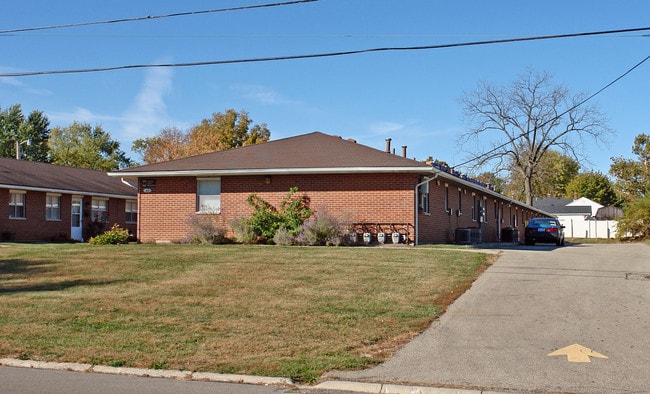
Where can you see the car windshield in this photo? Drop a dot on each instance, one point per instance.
(543, 223)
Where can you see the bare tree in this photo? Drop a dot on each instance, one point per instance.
(513, 127)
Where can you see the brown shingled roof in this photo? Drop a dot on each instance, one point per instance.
(42, 176)
(314, 151)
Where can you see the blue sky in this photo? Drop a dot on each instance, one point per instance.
(409, 96)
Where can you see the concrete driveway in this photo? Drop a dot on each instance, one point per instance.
(501, 335)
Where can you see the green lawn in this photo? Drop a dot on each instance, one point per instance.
(294, 312)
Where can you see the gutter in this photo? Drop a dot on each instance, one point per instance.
(64, 191)
(271, 171)
(490, 192)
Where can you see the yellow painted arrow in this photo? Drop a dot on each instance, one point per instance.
(577, 353)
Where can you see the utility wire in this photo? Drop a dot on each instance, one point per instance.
(321, 55)
(151, 17)
(556, 117)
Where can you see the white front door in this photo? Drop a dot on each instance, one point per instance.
(77, 230)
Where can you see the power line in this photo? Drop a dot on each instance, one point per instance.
(556, 117)
(152, 17)
(321, 55)
(282, 36)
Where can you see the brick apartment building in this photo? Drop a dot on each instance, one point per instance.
(45, 202)
(377, 192)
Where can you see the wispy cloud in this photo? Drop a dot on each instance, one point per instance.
(82, 115)
(18, 83)
(148, 112)
(262, 94)
(410, 128)
(385, 127)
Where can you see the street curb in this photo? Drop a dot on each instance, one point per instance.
(155, 373)
(383, 388)
(359, 387)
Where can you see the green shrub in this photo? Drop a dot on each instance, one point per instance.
(116, 235)
(266, 220)
(635, 223)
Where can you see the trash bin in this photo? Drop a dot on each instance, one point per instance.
(509, 234)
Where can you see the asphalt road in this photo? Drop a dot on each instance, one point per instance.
(15, 380)
(530, 303)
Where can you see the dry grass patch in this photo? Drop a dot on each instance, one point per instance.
(293, 312)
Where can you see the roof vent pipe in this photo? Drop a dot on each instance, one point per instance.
(388, 145)
(403, 150)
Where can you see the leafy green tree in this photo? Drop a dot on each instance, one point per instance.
(633, 176)
(491, 178)
(554, 172)
(514, 127)
(595, 186)
(633, 183)
(30, 135)
(82, 146)
(636, 219)
(224, 131)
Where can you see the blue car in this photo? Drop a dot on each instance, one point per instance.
(544, 230)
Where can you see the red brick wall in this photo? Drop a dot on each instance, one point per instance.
(439, 226)
(116, 215)
(367, 198)
(35, 227)
(166, 209)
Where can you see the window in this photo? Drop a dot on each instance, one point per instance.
(209, 195)
(447, 209)
(474, 208)
(99, 210)
(484, 213)
(460, 204)
(53, 207)
(17, 204)
(424, 197)
(131, 211)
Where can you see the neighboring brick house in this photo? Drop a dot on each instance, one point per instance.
(46, 202)
(375, 191)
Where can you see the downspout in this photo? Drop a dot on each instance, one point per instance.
(417, 208)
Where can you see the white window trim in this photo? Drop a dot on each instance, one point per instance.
(424, 198)
(474, 208)
(58, 195)
(198, 197)
(24, 204)
(105, 218)
(126, 211)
